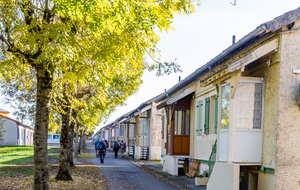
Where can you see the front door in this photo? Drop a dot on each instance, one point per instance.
(178, 127)
(181, 142)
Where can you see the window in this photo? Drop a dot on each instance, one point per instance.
(169, 122)
(249, 96)
(122, 129)
(181, 125)
(207, 115)
(225, 106)
(56, 136)
(143, 126)
(132, 130)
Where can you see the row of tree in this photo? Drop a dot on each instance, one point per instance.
(75, 61)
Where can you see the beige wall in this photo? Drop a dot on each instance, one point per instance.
(265, 181)
(287, 171)
(202, 145)
(156, 125)
(270, 115)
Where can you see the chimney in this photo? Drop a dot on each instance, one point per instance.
(179, 78)
(233, 39)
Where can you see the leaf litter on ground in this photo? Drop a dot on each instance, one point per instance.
(85, 176)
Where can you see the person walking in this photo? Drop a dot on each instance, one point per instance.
(122, 149)
(96, 147)
(102, 150)
(106, 143)
(116, 149)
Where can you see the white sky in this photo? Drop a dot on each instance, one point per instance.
(200, 37)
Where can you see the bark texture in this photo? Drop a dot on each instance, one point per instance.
(64, 164)
(70, 147)
(76, 141)
(44, 87)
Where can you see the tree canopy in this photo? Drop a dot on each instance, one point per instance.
(71, 43)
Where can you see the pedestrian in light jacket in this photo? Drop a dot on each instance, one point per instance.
(122, 149)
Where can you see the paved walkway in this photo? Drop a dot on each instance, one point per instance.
(125, 174)
(129, 173)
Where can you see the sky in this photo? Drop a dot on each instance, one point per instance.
(198, 38)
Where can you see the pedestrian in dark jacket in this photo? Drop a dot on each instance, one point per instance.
(116, 149)
(101, 147)
(96, 147)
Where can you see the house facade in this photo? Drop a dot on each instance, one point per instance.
(238, 115)
(140, 129)
(15, 133)
(238, 109)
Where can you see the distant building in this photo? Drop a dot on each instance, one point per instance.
(15, 132)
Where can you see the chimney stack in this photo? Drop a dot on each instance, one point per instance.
(233, 39)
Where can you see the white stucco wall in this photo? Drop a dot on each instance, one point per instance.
(225, 176)
(170, 165)
(10, 136)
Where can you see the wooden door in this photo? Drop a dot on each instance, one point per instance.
(181, 145)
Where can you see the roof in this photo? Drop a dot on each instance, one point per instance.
(2, 110)
(272, 26)
(19, 123)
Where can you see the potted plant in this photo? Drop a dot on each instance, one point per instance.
(202, 179)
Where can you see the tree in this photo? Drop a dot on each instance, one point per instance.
(48, 37)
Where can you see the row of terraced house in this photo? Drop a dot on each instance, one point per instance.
(238, 115)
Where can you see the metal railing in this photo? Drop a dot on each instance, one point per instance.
(212, 158)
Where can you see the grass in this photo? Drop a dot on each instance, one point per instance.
(21, 155)
(157, 161)
(16, 170)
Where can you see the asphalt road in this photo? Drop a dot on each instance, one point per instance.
(125, 174)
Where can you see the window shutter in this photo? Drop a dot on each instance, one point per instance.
(216, 113)
(199, 117)
(206, 125)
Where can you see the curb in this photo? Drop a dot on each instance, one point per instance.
(161, 177)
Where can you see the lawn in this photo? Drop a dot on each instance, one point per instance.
(21, 155)
(16, 170)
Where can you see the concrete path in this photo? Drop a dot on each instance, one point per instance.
(125, 174)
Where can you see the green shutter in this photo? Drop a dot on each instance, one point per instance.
(216, 113)
(199, 117)
(206, 125)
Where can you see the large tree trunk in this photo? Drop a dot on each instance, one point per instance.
(44, 87)
(76, 142)
(64, 164)
(70, 148)
(81, 142)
